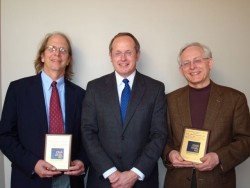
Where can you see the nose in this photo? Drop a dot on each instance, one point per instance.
(57, 52)
(192, 65)
(123, 56)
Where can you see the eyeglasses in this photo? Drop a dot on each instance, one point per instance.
(125, 54)
(196, 61)
(53, 49)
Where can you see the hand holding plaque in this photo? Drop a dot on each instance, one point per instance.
(57, 150)
(194, 144)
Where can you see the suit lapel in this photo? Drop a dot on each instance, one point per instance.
(183, 107)
(37, 96)
(214, 105)
(70, 100)
(110, 90)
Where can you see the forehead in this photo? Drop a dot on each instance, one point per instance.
(57, 40)
(123, 42)
(192, 52)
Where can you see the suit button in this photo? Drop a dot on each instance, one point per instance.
(123, 137)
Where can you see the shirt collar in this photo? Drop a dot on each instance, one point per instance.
(119, 79)
(47, 81)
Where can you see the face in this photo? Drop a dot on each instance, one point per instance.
(124, 56)
(54, 57)
(197, 72)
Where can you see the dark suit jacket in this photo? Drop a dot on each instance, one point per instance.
(24, 125)
(227, 119)
(138, 143)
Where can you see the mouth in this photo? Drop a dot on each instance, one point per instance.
(123, 64)
(56, 60)
(194, 73)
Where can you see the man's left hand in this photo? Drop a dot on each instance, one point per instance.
(76, 168)
(209, 161)
(126, 180)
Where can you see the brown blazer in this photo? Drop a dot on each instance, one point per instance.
(228, 121)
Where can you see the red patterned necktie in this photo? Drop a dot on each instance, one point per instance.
(55, 112)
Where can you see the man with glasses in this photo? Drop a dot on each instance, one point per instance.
(205, 105)
(27, 118)
(124, 145)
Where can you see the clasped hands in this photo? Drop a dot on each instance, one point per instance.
(124, 179)
(46, 170)
(209, 161)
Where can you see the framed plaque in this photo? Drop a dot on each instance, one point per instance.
(58, 150)
(194, 144)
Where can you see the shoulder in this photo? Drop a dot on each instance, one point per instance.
(25, 81)
(76, 89)
(226, 91)
(177, 92)
(148, 80)
(74, 86)
(101, 81)
(232, 98)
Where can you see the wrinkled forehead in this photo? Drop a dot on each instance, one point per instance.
(122, 42)
(57, 40)
(192, 52)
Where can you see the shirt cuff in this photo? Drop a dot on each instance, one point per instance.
(139, 173)
(109, 172)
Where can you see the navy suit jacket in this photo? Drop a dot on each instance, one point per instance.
(138, 143)
(24, 124)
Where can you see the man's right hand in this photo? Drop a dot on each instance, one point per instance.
(45, 170)
(177, 161)
(114, 177)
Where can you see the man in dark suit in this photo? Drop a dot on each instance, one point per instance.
(124, 153)
(205, 105)
(25, 117)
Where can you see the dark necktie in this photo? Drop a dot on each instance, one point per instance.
(125, 98)
(55, 112)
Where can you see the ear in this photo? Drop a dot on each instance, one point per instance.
(210, 63)
(138, 54)
(181, 70)
(42, 57)
(69, 61)
(110, 56)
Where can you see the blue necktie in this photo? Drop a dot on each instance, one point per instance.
(125, 98)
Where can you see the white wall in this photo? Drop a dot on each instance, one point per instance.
(1, 155)
(2, 177)
(161, 26)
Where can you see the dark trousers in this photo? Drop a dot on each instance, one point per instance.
(194, 181)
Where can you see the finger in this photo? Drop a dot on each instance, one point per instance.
(72, 168)
(48, 166)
